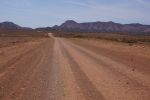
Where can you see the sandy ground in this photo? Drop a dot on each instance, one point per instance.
(74, 69)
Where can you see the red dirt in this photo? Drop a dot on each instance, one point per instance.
(74, 69)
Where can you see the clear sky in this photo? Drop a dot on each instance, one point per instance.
(36, 13)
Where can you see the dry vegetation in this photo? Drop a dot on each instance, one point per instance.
(13, 37)
(120, 37)
(22, 33)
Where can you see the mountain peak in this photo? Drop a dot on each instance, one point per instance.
(7, 22)
(110, 22)
(70, 22)
(9, 25)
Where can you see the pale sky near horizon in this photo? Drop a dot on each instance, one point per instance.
(40, 13)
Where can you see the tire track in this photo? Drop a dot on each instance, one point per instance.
(138, 78)
(89, 90)
(18, 77)
(20, 80)
(107, 80)
(70, 87)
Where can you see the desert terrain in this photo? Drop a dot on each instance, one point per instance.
(54, 68)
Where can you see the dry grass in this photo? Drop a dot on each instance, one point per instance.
(22, 33)
(119, 37)
(12, 37)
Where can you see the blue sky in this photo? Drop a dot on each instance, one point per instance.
(37, 13)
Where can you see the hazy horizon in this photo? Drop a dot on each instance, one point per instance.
(37, 13)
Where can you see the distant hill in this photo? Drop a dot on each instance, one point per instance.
(72, 26)
(45, 29)
(11, 26)
(12, 29)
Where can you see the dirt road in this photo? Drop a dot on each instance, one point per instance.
(66, 69)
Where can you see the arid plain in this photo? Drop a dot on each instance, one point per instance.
(53, 68)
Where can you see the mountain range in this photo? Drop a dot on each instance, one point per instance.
(11, 29)
(72, 26)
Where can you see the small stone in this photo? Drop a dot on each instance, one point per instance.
(22, 88)
(127, 82)
(133, 69)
